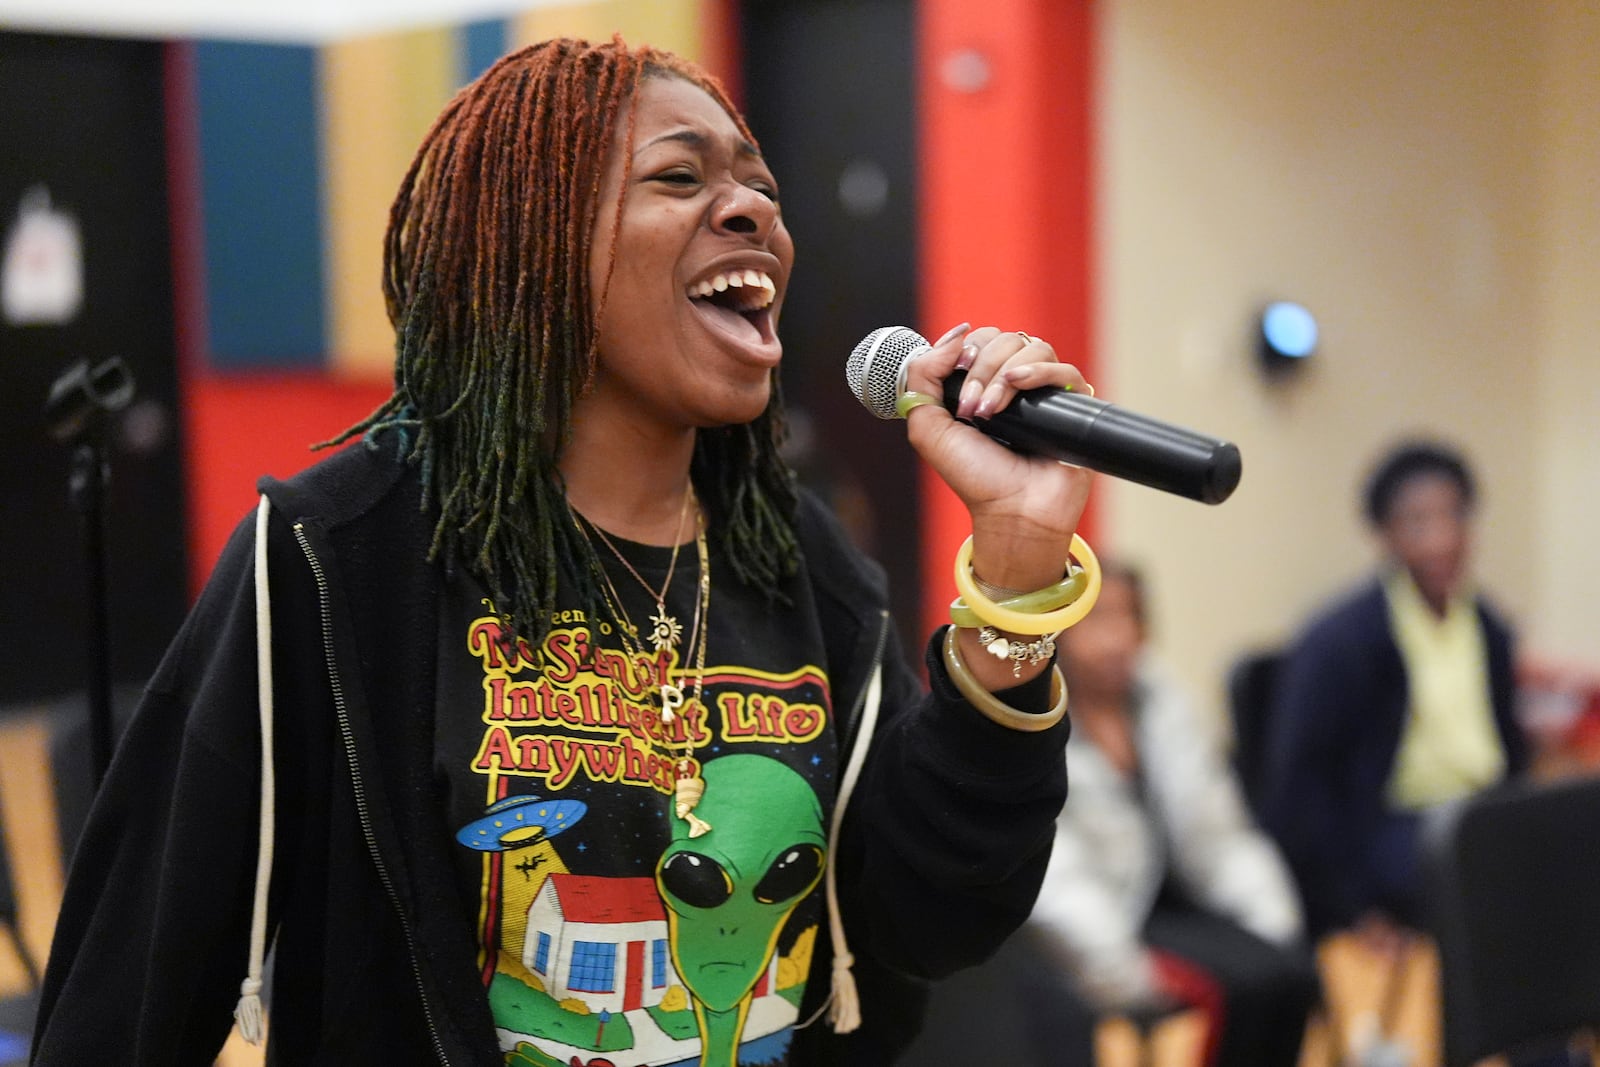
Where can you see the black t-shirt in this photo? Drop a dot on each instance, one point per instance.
(607, 934)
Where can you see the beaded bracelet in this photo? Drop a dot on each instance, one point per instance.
(991, 706)
(1032, 623)
(1064, 592)
(1016, 650)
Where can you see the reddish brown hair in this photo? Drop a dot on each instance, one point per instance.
(486, 281)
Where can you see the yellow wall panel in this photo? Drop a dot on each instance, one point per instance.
(379, 96)
(674, 25)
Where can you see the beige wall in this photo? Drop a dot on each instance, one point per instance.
(1423, 176)
(1566, 579)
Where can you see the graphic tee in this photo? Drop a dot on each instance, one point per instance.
(608, 936)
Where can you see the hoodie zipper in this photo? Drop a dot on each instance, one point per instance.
(348, 737)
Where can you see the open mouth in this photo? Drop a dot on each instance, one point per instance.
(739, 302)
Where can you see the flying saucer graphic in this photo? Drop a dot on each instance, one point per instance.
(517, 822)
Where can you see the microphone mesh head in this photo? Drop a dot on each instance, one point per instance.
(875, 371)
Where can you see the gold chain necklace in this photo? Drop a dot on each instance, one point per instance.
(688, 786)
(665, 630)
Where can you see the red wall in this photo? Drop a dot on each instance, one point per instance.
(1005, 221)
(241, 427)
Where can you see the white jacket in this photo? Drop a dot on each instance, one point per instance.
(1113, 850)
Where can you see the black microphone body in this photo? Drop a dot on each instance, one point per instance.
(1058, 424)
(1092, 433)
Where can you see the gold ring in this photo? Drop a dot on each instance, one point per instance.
(1026, 340)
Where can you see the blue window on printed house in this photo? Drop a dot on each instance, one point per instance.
(658, 961)
(594, 967)
(541, 957)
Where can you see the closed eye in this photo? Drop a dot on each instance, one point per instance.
(677, 177)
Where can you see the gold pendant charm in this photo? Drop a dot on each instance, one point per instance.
(671, 701)
(688, 792)
(665, 630)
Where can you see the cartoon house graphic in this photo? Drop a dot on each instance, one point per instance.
(603, 941)
(600, 940)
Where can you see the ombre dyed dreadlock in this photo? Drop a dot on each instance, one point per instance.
(487, 285)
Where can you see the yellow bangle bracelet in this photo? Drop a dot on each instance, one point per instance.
(991, 706)
(1030, 623)
(1051, 597)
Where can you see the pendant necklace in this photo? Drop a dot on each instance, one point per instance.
(665, 629)
(688, 786)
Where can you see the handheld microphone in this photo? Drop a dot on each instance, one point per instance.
(1058, 424)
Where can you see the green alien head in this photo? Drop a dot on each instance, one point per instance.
(729, 892)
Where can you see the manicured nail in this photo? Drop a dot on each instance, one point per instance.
(951, 332)
(969, 353)
(990, 401)
(970, 392)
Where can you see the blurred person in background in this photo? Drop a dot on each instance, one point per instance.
(1396, 698)
(1161, 892)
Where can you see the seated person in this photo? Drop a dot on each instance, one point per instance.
(1396, 698)
(1160, 890)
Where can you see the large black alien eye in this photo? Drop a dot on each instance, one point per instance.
(791, 874)
(699, 881)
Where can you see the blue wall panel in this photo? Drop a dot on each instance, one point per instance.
(482, 43)
(260, 172)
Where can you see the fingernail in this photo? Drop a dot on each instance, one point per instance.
(951, 332)
(969, 353)
(990, 401)
(1089, 388)
(970, 392)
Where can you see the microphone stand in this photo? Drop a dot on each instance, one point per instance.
(79, 402)
(86, 485)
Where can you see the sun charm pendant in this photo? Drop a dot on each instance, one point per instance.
(665, 630)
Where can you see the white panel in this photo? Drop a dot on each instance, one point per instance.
(277, 20)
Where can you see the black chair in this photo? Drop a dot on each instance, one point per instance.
(1514, 878)
(1250, 686)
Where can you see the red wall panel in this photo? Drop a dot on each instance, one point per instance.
(243, 426)
(1005, 102)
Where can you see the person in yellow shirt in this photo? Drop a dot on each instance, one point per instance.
(1396, 698)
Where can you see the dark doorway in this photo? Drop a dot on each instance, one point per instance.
(829, 92)
(84, 124)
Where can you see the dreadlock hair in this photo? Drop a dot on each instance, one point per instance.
(486, 280)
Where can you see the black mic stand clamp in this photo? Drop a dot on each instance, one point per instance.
(80, 402)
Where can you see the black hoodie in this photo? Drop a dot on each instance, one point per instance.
(941, 856)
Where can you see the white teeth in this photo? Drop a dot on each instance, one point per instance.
(762, 290)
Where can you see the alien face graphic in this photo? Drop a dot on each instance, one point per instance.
(729, 892)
